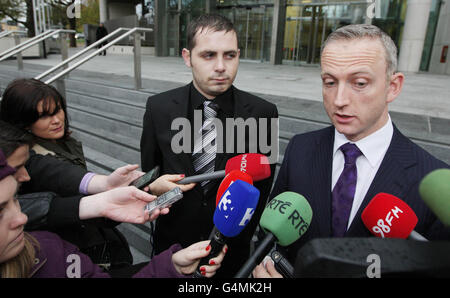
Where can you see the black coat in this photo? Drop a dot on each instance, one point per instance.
(100, 33)
(48, 173)
(191, 219)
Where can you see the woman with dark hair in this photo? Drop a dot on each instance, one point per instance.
(40, 109)
(63, 214)
(44, 254)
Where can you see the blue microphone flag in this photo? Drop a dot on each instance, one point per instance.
(236, 208)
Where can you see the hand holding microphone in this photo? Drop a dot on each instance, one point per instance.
(266, 270)
(233, 212)
(285, 219)
(186, 260)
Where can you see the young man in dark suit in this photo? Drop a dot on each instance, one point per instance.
(213, 56)
(339, 169)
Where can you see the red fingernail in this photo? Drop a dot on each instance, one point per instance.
(182, 175)
(226, 249)
(202, 269)
(211, 262)
(208, 247)
(203, 273)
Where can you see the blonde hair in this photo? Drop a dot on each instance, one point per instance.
(21, 265)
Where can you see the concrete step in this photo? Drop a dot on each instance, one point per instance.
(102, 160)
(96, 169)
(139, 241)
(125, 126)
(128, 95)
(107, 104)
(115, 145)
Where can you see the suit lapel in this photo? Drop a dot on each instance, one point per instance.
(321, 169)
(390, 178)
(181, 161)
(240, 111)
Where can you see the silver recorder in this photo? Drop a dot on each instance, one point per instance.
(165, 200)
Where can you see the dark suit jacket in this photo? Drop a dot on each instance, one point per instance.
(191, 219)
(48, 173)
(307, 168)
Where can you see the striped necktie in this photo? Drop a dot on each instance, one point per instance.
(204, 155)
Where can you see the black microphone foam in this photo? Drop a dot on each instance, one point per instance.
(348, 257)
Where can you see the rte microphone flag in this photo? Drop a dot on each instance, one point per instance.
(285, 219)
(255, 164)
(387, 216)
(233, 212)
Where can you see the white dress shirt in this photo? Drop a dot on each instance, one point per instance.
(373, 148)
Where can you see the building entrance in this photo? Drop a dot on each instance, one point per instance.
(308, 24)
(253, 23)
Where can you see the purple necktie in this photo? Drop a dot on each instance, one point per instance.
(344, 191)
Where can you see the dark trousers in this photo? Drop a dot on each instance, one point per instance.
(101, 45)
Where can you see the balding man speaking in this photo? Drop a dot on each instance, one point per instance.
(339, 169)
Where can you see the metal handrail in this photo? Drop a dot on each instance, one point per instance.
(95, 44)
(26, 45)
(95, 53)
(6, 33)
(26, 42)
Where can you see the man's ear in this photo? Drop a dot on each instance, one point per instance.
(395, 86)
(186, 57)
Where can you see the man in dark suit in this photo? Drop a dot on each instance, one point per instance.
(99, 34)
(339, 169)
(213, 56)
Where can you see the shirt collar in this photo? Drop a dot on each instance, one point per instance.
(224, 100)
(373, 147)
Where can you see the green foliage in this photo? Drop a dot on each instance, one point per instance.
(90, 14)
(13, 9)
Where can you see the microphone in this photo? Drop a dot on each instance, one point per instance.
(229, 179)
(255, 164)
(285, 219)
(386, 216)
(233, 212)
(372, 257)
(435, 192)
(282, 265)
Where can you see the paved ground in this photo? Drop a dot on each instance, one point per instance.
(423, 93)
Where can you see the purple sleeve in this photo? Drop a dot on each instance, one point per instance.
(85, 183)
(88, 268)
(59, 258)
(161, 266)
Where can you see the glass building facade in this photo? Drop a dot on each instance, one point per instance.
(306, 24)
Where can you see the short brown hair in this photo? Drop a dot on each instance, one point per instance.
(214, 22)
